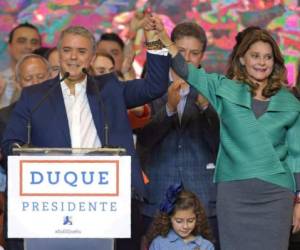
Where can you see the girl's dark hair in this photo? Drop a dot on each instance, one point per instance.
(161, 224)
(238, 72)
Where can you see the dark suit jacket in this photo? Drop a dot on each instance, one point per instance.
(174, 152)
(50, 124)
(4, 117)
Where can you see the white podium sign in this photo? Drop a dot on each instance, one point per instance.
(69, 196)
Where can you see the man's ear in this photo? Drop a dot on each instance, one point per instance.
(242, 61)
(92, 60)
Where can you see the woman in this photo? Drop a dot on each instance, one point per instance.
(103, 63)
(259, 151)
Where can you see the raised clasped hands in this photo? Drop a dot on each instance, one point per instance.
(153, 23)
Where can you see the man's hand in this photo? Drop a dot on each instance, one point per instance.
(162, 35)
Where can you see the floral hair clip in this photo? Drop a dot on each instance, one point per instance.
(168, 203)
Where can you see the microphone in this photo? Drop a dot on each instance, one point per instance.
(105, 144)
(65, 76)
(85, 71)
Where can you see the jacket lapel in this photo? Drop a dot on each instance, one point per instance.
(284, 100)
(97, 112)
(57, 102)
(189, 106)
(238, 93)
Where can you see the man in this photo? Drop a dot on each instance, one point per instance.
(53, 59)
(112, 44)
(72, 116)
(123, 54)
(181, 141)
(23, 39)
(30, 69)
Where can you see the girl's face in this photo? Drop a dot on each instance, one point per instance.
(259, 62)
(183, 223)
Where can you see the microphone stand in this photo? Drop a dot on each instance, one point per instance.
(28, 144)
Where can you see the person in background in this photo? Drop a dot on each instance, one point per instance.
(123, 54)
(53, 58)
(30, 69)
(41, 51)
(258, 166)
(23, 39)
(180, 224)
(112, 44)
(180, 142)
(104, 63)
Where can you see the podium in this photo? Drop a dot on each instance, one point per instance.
(69, 198)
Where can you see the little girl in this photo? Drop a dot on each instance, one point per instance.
(180, 223)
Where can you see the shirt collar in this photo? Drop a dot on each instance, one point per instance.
(172, 237)
(198, 240)
(79, 87)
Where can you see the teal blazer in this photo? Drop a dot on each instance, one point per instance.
(267, 147)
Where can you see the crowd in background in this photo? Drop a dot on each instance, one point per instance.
(177, 135)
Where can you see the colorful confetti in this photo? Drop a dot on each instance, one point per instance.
(221, 20)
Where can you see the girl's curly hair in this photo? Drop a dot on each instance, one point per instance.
(161, 224)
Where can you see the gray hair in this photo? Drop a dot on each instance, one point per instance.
(78, 30)
(26, 57)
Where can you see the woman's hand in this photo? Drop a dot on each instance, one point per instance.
(296, 218)
(149, 26)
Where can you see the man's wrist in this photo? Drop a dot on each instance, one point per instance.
(154, 45)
